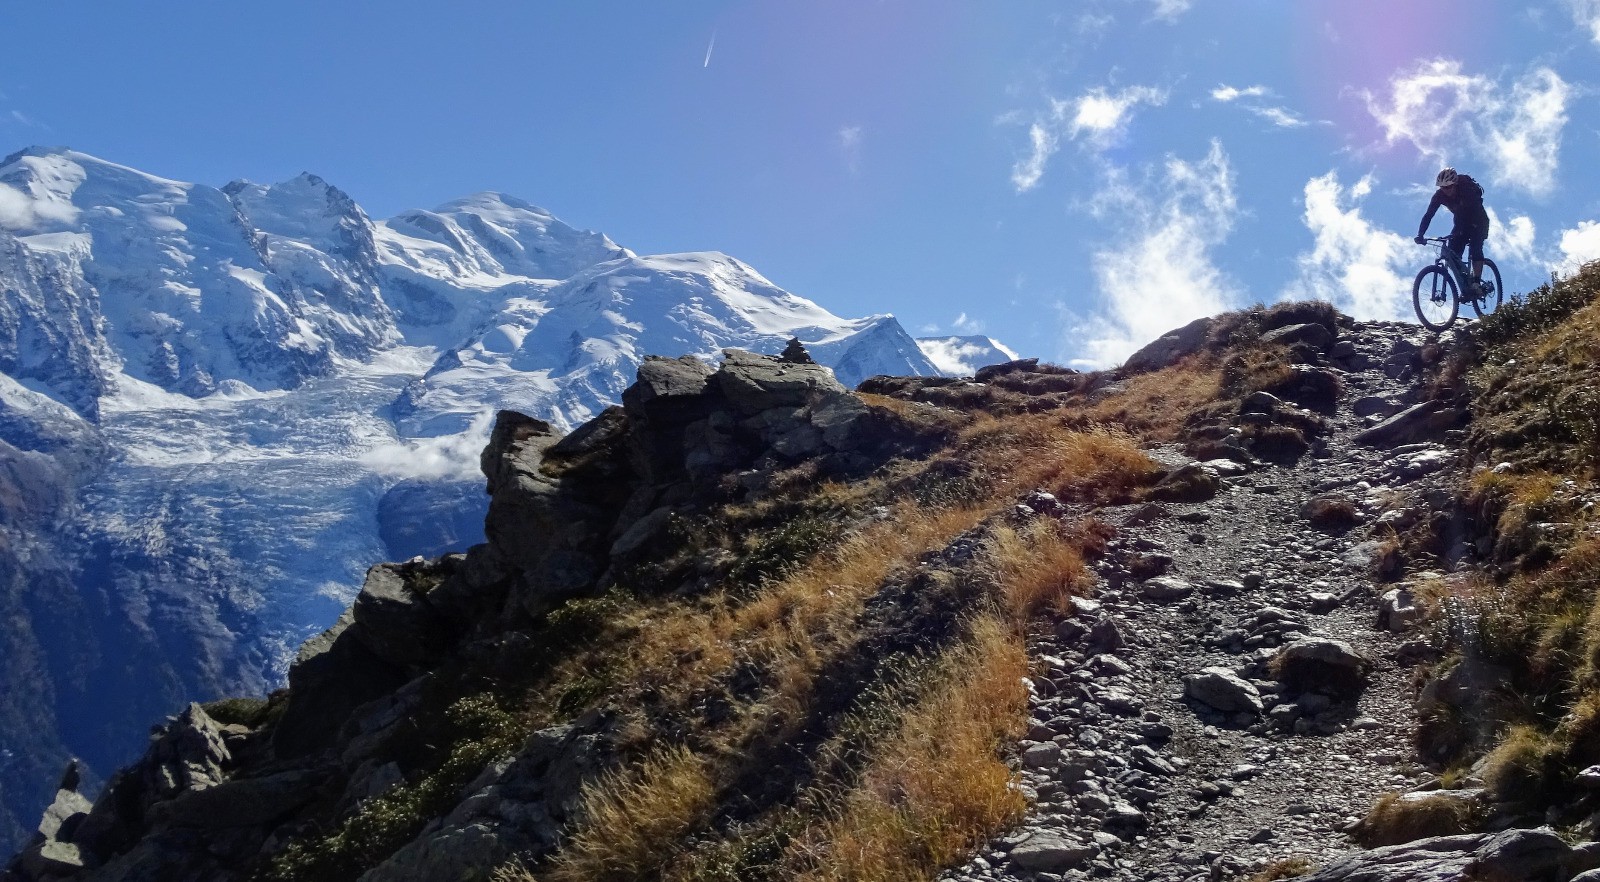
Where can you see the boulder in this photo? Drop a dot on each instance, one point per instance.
(1317, 336)
(1041, 756)
(991, 371)
(1169, 347)
(188, 753)
(1328, 666)
(664, 379)
(517, 807)
(1165, 588)
(1047, 852)
(394, 619)
(550, 524)
(52, 859)
(64, 814)
(248, 802)
(754, 383)
(1315, 388)
(1220, 689)
(1515, 855)
(1260, 402)
(1398, 610)
(1420, 422)
(1192, 482)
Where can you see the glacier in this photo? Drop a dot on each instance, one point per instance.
(219, 406)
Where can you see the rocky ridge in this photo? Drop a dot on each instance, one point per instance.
(1236, 692)
(210, 798)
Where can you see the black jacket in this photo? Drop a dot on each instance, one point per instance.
(1465, 201)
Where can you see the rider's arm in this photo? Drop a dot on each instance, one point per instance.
(1428, 218)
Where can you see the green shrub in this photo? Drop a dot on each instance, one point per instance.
(777, 552)
(484, 731)
(1540, 310)
(248, 712)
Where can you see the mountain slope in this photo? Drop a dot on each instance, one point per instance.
(1160, 623)
(264, 390)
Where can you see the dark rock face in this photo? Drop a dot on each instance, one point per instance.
(1170, 347)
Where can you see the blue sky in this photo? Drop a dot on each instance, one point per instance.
(1070, 178)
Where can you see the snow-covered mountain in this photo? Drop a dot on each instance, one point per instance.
(218, 406)
(962, 356)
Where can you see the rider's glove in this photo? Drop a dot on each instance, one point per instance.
(1420, 240)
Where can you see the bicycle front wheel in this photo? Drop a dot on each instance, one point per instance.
(1494, 295)
(1434, 294)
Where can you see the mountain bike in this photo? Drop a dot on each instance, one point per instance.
(1435, 290)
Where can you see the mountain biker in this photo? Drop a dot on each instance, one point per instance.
(1464, 197)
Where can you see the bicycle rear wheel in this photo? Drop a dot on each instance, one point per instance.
(1434, 294)
(1493, 297)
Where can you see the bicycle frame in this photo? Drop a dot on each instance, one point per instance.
(1455, 266)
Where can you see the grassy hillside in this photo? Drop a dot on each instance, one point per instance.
(823, 684)
(1526, 626)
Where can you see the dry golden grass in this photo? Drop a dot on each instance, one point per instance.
(938, 787)
(1575, 343)
(1288, 868)
(1098, 464)
(1518, 768)
(1156, 405)
(633, 822)
(1395, 819)
(820, 595)
(934, 787)
(1519, 497)
(1037, 569)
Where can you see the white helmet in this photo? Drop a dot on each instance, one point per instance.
(1445, 178)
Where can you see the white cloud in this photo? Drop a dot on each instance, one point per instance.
(1103, 116)
(1170, 10)
(967, 325)
(1449, 116)
(1093, 25)
(1579, 246)
(1527, 147)
(957, 358)
(1362, 269)
(1026, 173)
(1511, 241)
(1099, 117)
(849, 141)
(18, 211)
(1229, 93)
(1247, 97)
(1587, 15)
(1161, 276)
(448, 456)
(1278, 116)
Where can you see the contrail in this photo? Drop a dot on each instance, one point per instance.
(710, 47)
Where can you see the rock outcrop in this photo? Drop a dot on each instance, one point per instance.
(569, 515)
